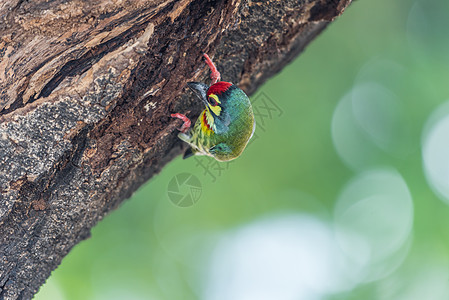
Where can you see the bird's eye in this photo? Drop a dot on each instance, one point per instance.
(212, 101)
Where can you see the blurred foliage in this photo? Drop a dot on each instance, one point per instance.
(335, 174)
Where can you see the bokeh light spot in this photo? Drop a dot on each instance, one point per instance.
(373, 218)
(286, 257)
(427, 29)
(435, 151)
(365, 125)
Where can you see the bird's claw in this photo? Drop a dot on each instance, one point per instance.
(187, 123)
(214, 74)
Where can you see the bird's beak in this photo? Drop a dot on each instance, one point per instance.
(200, 90)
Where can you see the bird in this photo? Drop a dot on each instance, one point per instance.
(225, 126)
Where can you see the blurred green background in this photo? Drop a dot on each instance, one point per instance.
(342, 194)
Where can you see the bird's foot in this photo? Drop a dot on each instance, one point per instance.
(186, 125)
(214, 75)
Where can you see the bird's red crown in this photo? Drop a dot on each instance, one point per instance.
(218, 88)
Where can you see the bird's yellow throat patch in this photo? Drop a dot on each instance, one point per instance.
(215, 109)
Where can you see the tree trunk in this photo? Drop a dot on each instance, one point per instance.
(86, 91)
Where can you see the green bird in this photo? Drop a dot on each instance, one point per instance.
(225, 126)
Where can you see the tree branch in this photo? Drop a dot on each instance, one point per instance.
(86, 92)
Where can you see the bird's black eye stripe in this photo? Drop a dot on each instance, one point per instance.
(212, 101)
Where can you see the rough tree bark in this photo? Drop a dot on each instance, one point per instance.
(86, 90)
